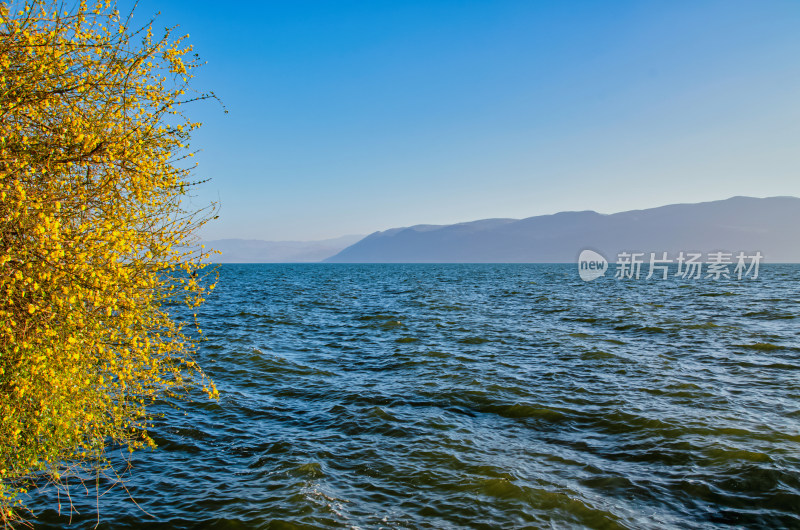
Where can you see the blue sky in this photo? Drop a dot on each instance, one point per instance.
(347, 117)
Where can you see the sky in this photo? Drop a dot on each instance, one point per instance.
(347, 117)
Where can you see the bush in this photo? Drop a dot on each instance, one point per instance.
(95, 240)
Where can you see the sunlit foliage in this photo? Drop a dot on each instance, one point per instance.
(95, 237)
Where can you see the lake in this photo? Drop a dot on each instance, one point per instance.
(478, 396)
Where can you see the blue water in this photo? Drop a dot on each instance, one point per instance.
(477, 396)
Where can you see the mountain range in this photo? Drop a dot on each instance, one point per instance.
(259, 251)
(768, 225)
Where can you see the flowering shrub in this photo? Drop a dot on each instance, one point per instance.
(95, 241)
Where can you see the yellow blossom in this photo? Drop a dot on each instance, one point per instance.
(93, 238)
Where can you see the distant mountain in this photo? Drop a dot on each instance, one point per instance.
(258, 251)
(767, 225)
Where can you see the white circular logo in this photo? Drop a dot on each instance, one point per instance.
(591, 265)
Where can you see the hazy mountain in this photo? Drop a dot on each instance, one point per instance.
(258, 251)
(741, 223)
